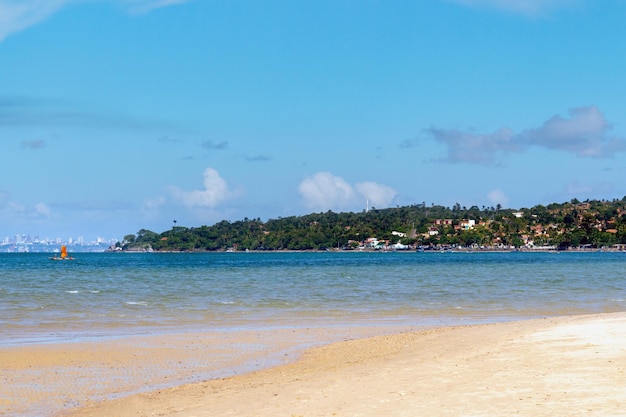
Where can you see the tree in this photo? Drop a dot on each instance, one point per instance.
(565, 224)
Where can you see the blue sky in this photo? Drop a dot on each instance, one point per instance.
(118, 115)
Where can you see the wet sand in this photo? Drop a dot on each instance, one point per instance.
(558, 366)
(40, 380)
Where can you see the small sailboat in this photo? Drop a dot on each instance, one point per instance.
(64, 256)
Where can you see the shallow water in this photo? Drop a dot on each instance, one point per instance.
(122, 293)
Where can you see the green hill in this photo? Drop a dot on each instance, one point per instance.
(591, 223)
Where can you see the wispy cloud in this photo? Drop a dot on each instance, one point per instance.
(15, 110)
(43, 210)
(153, 204)
(577, 188)
(497, 196)
(477, 148)
(524, 7)
(215, 191)
(28, 111)
(209, 144)
(17, 15)
(258, 158)
(145, 6)
(325, 191)
(4, 197)
(8, 102)
(93, 206)
(18, 211)
(34, 144)
(168, 139)
(585, 133)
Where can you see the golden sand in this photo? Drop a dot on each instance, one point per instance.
(571, 366)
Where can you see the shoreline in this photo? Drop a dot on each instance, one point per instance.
(569, 365)
(459, 249)
(45, 379)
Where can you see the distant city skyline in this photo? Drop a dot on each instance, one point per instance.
(26, 243)
(201, 111)
(26, 238)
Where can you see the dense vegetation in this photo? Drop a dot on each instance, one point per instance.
(591, 223)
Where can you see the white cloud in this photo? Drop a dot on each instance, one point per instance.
(324, 191)
(525, 7)
(215, 192)
(496, 197)
(17, 15)
(378, 195)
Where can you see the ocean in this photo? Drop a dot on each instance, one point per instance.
(116, 294)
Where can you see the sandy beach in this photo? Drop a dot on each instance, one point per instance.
(556, 366)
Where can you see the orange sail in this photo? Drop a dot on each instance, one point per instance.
(63, 252)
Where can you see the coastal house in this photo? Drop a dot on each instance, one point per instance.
(370, 242)
(467, 224)
(432, 231)
(374, 243)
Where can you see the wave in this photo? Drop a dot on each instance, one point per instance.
(136, 303)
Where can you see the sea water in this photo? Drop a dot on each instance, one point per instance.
(117, 294)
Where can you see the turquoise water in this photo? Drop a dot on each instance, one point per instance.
(122, 293)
